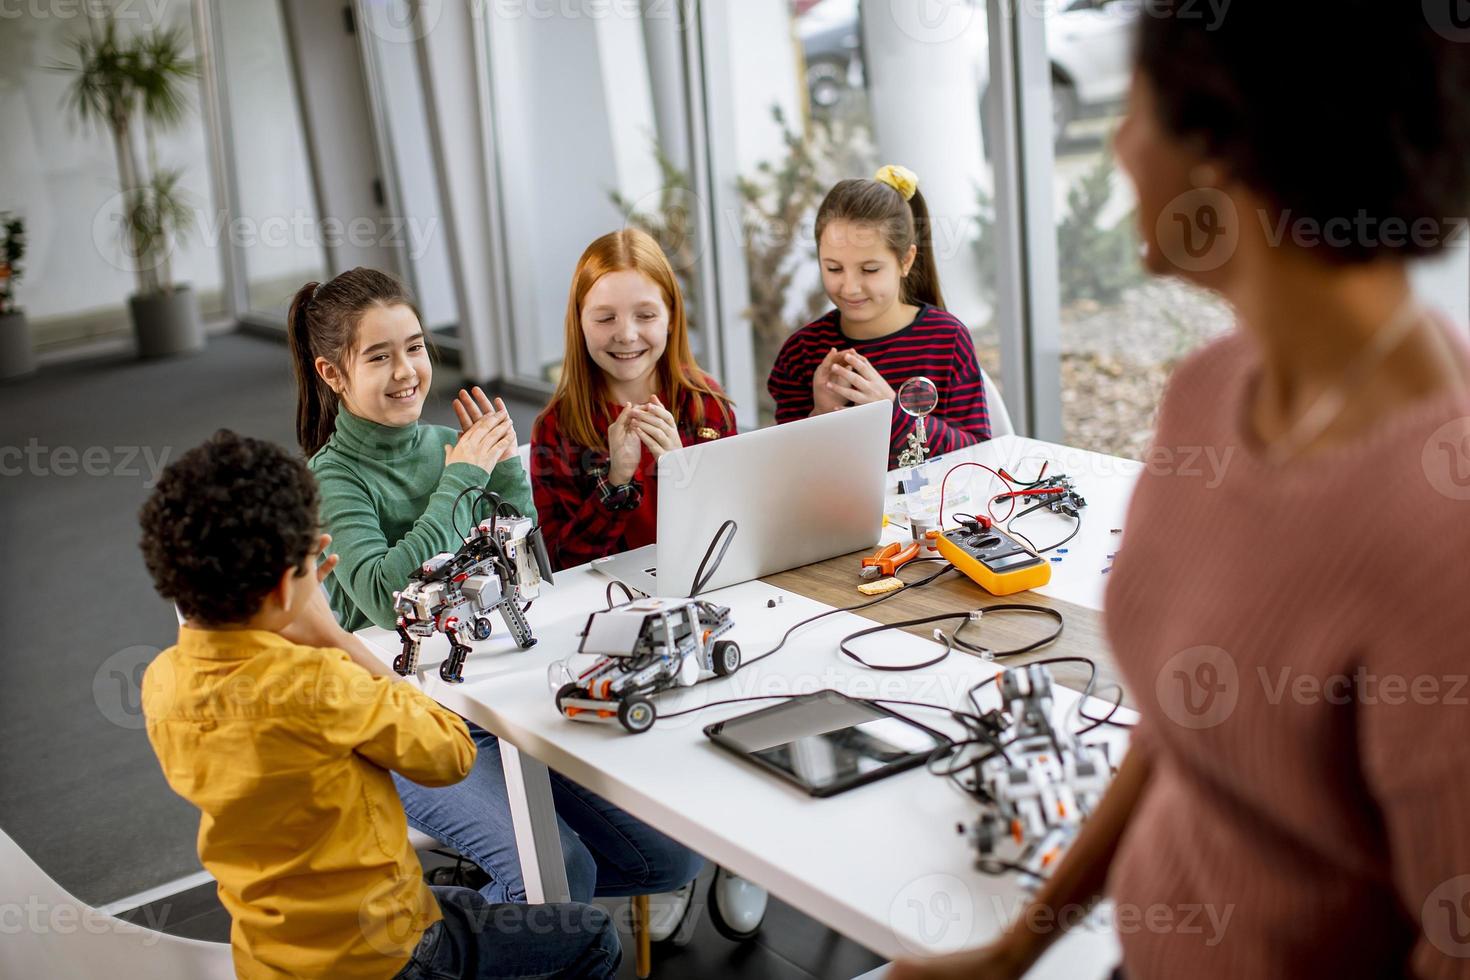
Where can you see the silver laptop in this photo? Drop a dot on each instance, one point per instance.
(798, 493)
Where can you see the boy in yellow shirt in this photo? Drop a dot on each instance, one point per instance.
(282, 729)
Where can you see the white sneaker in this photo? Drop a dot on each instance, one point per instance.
(736, 906)
(670, 916)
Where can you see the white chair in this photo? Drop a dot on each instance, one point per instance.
(1000, 418)
(62, 938)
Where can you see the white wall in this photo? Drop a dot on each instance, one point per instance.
(62, 177)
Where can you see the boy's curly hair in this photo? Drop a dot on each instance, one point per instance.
(225, 520)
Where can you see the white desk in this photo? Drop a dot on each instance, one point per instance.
(1105, 482)
(882, 864)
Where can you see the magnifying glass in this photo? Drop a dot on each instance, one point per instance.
(918, 397)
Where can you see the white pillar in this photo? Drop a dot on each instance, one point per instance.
(923, 64)
(663, 44)
(750, 65)
(453, 94)
(623, 62)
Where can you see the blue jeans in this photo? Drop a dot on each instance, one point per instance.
(607, 852)
(478, 941)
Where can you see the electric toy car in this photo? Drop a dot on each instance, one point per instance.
(643, 647)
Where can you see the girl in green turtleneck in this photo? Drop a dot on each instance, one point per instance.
(388, 483)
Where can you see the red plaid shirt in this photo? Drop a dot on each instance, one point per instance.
(583, 516)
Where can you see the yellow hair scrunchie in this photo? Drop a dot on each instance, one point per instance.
(901, 179)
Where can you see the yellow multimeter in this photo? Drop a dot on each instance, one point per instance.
(992, 558)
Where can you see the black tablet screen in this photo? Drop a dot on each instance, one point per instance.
(825, 740)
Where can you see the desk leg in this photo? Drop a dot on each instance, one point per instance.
(534, 815)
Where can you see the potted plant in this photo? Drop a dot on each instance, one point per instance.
(16, 356)
(131, 85)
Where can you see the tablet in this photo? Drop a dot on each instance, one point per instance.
(827, 742)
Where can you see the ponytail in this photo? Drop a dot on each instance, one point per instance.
(316, 404)
(892, 203)
(921, 285)
(323, 323)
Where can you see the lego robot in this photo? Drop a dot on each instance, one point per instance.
(643, 647)
(1041, 787)
(498, 568)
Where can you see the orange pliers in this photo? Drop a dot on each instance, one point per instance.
(888, 559)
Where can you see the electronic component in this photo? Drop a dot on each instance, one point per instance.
(499, 567)
(645, 646)
(997, 562)
(1038, 785)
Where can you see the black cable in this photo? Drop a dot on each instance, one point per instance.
(997, 866)
(952, 641)
(1031, 510)
(861, 605)
(701, 577)
(627, 591)
(965, 718)
(715, 704)
(1106, 719)
(454, 510)
(495, 503)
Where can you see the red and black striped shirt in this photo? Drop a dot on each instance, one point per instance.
(935, 345)
(581, 517)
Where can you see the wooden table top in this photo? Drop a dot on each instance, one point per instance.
(834, 582)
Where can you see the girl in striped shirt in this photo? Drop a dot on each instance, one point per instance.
(877, 256)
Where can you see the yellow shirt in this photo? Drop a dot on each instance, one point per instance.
(286, 750)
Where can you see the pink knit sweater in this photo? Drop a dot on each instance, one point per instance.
(1298, 641)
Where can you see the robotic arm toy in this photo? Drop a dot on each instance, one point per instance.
(500, 566)
(1040, 787)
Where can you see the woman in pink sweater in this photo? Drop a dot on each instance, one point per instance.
(1296, 633)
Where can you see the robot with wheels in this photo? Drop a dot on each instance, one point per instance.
(499, 567)
(1041, 787)
(646, 646)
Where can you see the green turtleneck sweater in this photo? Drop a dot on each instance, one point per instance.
(386, 498)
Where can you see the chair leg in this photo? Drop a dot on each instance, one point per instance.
(641, 939)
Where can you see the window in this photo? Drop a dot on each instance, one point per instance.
(275, 205)
(857, 86)
(1121, 332)
(589, 124)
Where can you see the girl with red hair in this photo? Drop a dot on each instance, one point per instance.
(630, 391)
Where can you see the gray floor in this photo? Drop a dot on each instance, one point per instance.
(80, 789)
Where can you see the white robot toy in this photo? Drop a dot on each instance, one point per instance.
(645, 646)
(498, 568)
(1041, 787)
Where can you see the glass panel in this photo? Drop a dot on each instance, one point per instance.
(1121, 332)
(61, 177)
(590, 127)
(277, 221)
(863, 85)
(419, 228)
